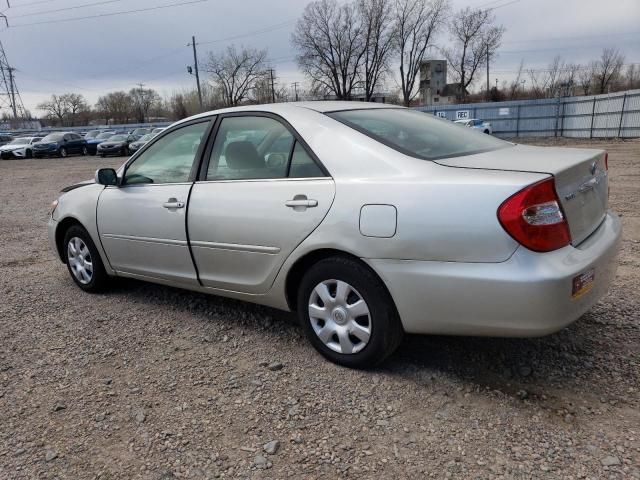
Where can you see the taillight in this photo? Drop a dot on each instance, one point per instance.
(534, 217)
(606, 161)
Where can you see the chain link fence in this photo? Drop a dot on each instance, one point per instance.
(615, 115)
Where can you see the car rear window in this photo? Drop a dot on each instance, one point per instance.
(418, 134)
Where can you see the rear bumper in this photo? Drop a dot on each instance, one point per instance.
(528, 295)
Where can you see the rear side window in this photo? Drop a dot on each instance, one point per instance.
(255, 147)
(418, 134)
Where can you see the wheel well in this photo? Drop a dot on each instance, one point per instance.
(303, 264)
(61, 230)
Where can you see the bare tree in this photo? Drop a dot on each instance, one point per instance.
(115, 106)
(585, 78)
(329, 40)
(607, 69)
(378, 31)
(143, 100)
(55, 107)
(475, 40)
(75, 104)
(416, 24)
(632, 77)
(514, 86)
(235, 72)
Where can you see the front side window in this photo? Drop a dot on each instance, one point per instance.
(418, 134)
(169, 160)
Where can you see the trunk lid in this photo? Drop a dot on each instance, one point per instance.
(580, 175)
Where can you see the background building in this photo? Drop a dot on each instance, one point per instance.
(434, 88)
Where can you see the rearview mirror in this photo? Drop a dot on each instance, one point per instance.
(106, 176)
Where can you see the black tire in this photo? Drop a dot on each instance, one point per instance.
(386, 329)
(487, 132)
(85, 151)
(63, 152)
(123, 152)
(28, 154)
(99, 277)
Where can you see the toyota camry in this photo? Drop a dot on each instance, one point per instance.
(369, 221)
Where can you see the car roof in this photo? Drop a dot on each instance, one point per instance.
(283, 108)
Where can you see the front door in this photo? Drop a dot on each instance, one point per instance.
(142, 223)
(261, 196)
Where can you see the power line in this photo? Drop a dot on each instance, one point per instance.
(112, 14)
(32, 3)
(577, 37)
(104, 2)
(249, 34)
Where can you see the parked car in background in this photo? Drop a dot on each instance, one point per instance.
(476, 124)
(158, 130)
(5, 138)
(139, 132)
(134, 146)
(21, 147)
(60, 144)
(92, 134)
(116, 145)
(92, 144)
(369, 221)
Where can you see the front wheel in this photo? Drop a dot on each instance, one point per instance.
(83, 260)
(63, 152)
(85, 151)
(28, 154)
(347, 313)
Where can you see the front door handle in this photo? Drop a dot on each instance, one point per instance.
(173, 203)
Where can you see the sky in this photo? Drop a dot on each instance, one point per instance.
(52, 53)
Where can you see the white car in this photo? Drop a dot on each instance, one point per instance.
(367, 220)
(476, 124)
(19, 148)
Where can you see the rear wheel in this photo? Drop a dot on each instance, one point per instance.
(63, 152)
(85, 152)
(347, 313)
(83, 260)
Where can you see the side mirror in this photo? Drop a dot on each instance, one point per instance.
(106, 176)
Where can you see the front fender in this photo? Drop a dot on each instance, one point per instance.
(80, 205)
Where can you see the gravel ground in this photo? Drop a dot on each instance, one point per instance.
(152, 382)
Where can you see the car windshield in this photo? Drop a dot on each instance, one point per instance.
(145, 138)
(418, 134)
(104, 136)
(53, 137)
(20, 141)
(117, 138)
(92, 134)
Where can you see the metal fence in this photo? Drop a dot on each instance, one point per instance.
(615, 115)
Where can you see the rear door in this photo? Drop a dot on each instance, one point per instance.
(142, 223)
(260, 194)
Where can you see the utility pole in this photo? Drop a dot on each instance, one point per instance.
(141, 99)
(195, 64)
(273, 90)
(488, 94)
(9, 94)
(295, 88)
(12, 91)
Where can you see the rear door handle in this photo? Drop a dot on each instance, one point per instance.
(302, 202)
(173, 203)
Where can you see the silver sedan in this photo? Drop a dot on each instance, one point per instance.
(369, 221)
